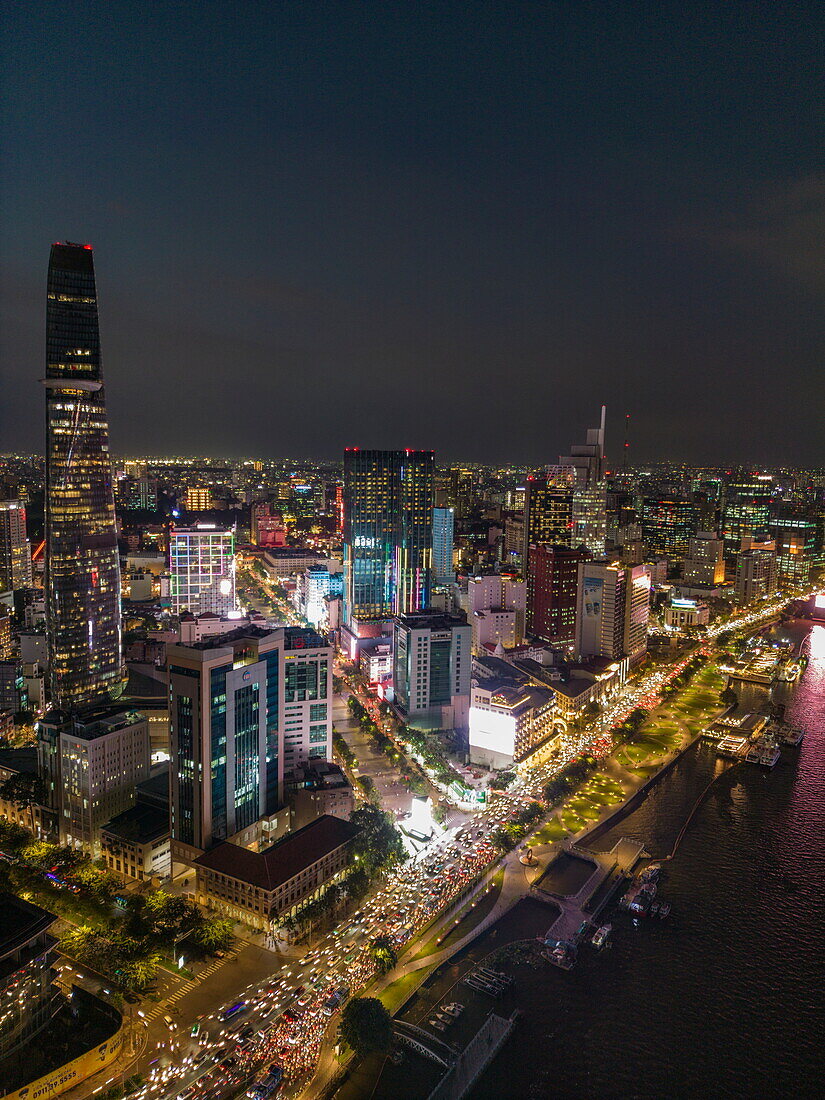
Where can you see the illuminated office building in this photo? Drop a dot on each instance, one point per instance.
(747, 510)
(548, 510)
(15, 551)
(202, 569)
(668, 524)
(552, 587)
(612, 611)
(795, 535)
(388, 533)
(246, 710)
(704, 564)
(443, 541)
(82, 564)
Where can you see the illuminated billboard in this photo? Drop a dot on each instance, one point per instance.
(592, 595)
(492, 731)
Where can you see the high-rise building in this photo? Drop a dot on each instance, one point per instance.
(704, 564)
(548, 510)
(82, 564)
(747, 510)
(589, 517)
(28, 995)
(552, 587)
(796, 538)
(668, 523)
(198, 498)
(202, 569)
(91, 764)
(497, 610)
(612, 611)
(443, 541)
(15, 551)
(388, 533)
(587, 459)
(756, 571)
(432, 669)
(246, 709)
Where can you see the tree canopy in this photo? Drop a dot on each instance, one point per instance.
(365, 1026)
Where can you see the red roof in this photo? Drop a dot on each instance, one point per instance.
(285, 859)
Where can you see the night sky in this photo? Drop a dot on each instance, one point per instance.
(459, 226)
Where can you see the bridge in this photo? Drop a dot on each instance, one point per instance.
(425, 1044)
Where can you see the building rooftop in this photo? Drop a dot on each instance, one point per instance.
(19, 760)
(284, 860)
(323, 775)
(432, 620)
(140, 824)
(94, 723)
(22, 921)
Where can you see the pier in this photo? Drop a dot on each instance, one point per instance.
(610, 869)
(474, 1059)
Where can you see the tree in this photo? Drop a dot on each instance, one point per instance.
(26, 790)
(365, 1026)
(378, 844)
(728, 697)
(383, 954)
(214, 935)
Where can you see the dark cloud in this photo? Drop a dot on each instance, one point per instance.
(408, 225)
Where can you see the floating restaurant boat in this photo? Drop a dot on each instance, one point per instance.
(600, 937)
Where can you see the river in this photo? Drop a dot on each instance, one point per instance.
(726, 998)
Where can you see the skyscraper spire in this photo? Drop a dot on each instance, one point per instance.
(82, 566)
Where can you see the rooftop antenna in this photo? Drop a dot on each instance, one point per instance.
(626, 440)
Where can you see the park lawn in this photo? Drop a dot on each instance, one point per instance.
(584, 808)
(633, 755)
(394, 996)
(552, 831)
(571, 820)
(603, 790)
(644, 771)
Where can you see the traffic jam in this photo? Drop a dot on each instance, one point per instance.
(268, 1041)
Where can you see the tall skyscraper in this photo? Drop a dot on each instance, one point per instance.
(82, 565)
(202, 569)
(443, 541)
(15, 551)
(388, 533)
(747, 510)
(704, 564)
(668, 524)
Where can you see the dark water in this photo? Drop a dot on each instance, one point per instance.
(726, 998)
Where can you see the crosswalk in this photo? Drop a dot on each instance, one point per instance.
(188, 986)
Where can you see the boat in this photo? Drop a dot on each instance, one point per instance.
(600, 936)
(664, 910)
(652, 872)
(654, 909)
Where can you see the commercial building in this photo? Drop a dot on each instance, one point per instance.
(267, 526)
(315, 586)
(13, 695)
(668, 523)
(548, 510)
(246, 709)
(443, 545)
(82, 564)
(432, 669)
(509, 721)
(796, 545)
(320, 788)
(704, 564)
(15, 550)
(756, 571)
(388, 534)
(27, 973)
(261, 889)
(747, 510)
(589, 518)
(197, 498)
(202, 569)
(552, 587)
(39, 820)
(587, 459)
(91, 764)
(136, 843)
(286, 561)
(612, 611)
(685, 614)
(497, 610)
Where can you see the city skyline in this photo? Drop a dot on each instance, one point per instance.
(438, 212)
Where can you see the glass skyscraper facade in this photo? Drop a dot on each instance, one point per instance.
(443, 543)
(202, 569)
(388, 533)
(747, 512)
(82, 564)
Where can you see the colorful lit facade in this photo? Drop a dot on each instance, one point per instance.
(388, 533)
(202, 569)
(15, 550)
(82, 563)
